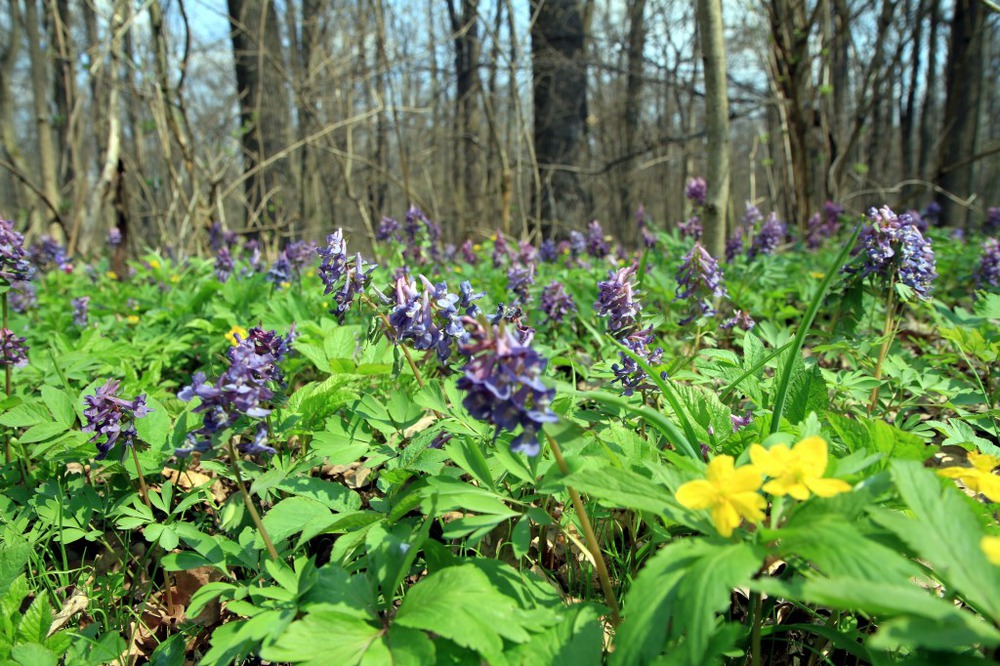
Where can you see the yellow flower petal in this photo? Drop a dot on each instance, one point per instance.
(725, 518)
(983, 461)
(991, 546)
(957, 472)
(812, 455)
(720, 468)
(989, 485)
(745, 479)
(787, 485)
(749, 505)
(773, 461)
(828, 487)
(698, 494)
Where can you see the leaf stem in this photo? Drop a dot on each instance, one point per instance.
(589, 535)
(757, 604)
(888, 335)
(248, 502)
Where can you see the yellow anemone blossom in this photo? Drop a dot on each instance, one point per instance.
(154, 264)
(132, 319)
(991, 546)
(111, 275)
(233, 332)
(174, 279)
(980, 477)
(797, 471)
(730, 493)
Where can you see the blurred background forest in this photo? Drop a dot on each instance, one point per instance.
(285, 119)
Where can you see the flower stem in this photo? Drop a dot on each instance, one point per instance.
(143, 488)
(589, 536)
(248, 502)
(888, 335)
(7, 384)
(757, 604)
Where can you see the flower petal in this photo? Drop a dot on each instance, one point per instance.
(725, 518)
(699, 494)
(720, 469)
(991, 546)
(812, 454)
(828, 487)
(745, 479)
(749, 505)
(773, 461)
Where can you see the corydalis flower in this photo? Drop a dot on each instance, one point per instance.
(22, 296)
(556, 303)
(501, 252)
(14, 265)
(49, 254)
(700, 282)
(690, 228)
(933, 213)
(387, 228)
(992, 223)
(468, 252)
(112, 418)
(825, 226)
(768, 238)
(520, 277)
(696, 191)
(80, 311)
(502, 383)
(629, 372)
(114, 237)
(281, 272)
(648, 237)
(895, 251)
(344, 277)
(988, 273)
(13, 351)
(223, 264)
(242, 390)
(300, 254)
(428, 319)
(596, 246)
(616, 299)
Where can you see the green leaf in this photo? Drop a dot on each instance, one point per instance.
(576, 640)
(33, 654)
(35, 623)
(626, 489)
(323, 637)
(25, 415)
(60, 405)
(462, 605)
(945, 533)
(335, 496)
(678, 593)
(42, 432)
(296, 514)
(154, 428)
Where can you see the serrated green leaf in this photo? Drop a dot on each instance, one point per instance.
(33, 654)
(324, 637)
(462, 605)
(60, 405)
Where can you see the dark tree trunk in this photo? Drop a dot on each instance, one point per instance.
(960, 124)
(264, 116)
(559, 76)
(633, 102)
(928, 112)
(465, 28)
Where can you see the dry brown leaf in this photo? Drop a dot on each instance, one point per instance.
(77, 603)
(192, 479)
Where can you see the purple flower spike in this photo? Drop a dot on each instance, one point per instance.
(502, 382)
(770, 236)
(992, 223)
(468, 252)
(895, 251)
(501, 253)
(112, 417)
(14, 265)
(114, 237)
(741, 421)
(49, 254)
(22, 296)
(988, 273)
(629, 373)
(700, 282)
(596, 246)
(616, 300)
(223, 264)
(690, 228)
(520, 278)
(933, 213)
(80, 311)
(13, 351)
(556, 303)
(696, 191)
(334, 263)
(387, 228)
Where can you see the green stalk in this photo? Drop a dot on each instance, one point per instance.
(888, 335)
(589, 536)
(391, 332)
(248, 502)
(781, 396)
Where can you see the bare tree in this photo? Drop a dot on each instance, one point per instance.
(264, 112)
(559, 82)
(467, 172)
(713, 50)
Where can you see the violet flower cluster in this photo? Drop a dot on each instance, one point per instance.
(617, 300)
(429, 319)
(13, 351)
(242, 390)
(988, 272)
(991, 225)
(895, 251)
(933, 214)
(768, 237)
(556, 303)
(824, 226)
(14, 264)
(80, 311)
(223, 264)
(734, 246)
(343, 276)
(700, 283)
(114, 237)
(520, 278)
(49, 254)
(22, 296)
(697, 191)
(642, 220)
(501, 251)
(112, 418)
(502, 383)
(596, 245)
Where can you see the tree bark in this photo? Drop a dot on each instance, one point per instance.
(633, 104)
(559, 88)
(960, 123)
(264, 115)
(713, 49)
(466, 175)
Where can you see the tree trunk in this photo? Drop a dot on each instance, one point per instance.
(10, 145)
(264, 115)
(47, 158)
(929, 138)
(713, 49)
(466, 176)
(633, 104)
(559, 88)
(960, 124)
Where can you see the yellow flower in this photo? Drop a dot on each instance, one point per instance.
(132, 319)
(730, 493)
(991, 546)
(111, 275)
(233, 332)
(311, 272)
(980, 477)
(817, 275)
(797, 471)
(175, 279)
(286, 285)
(457, 269)
(154, 264)
(477, 247)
